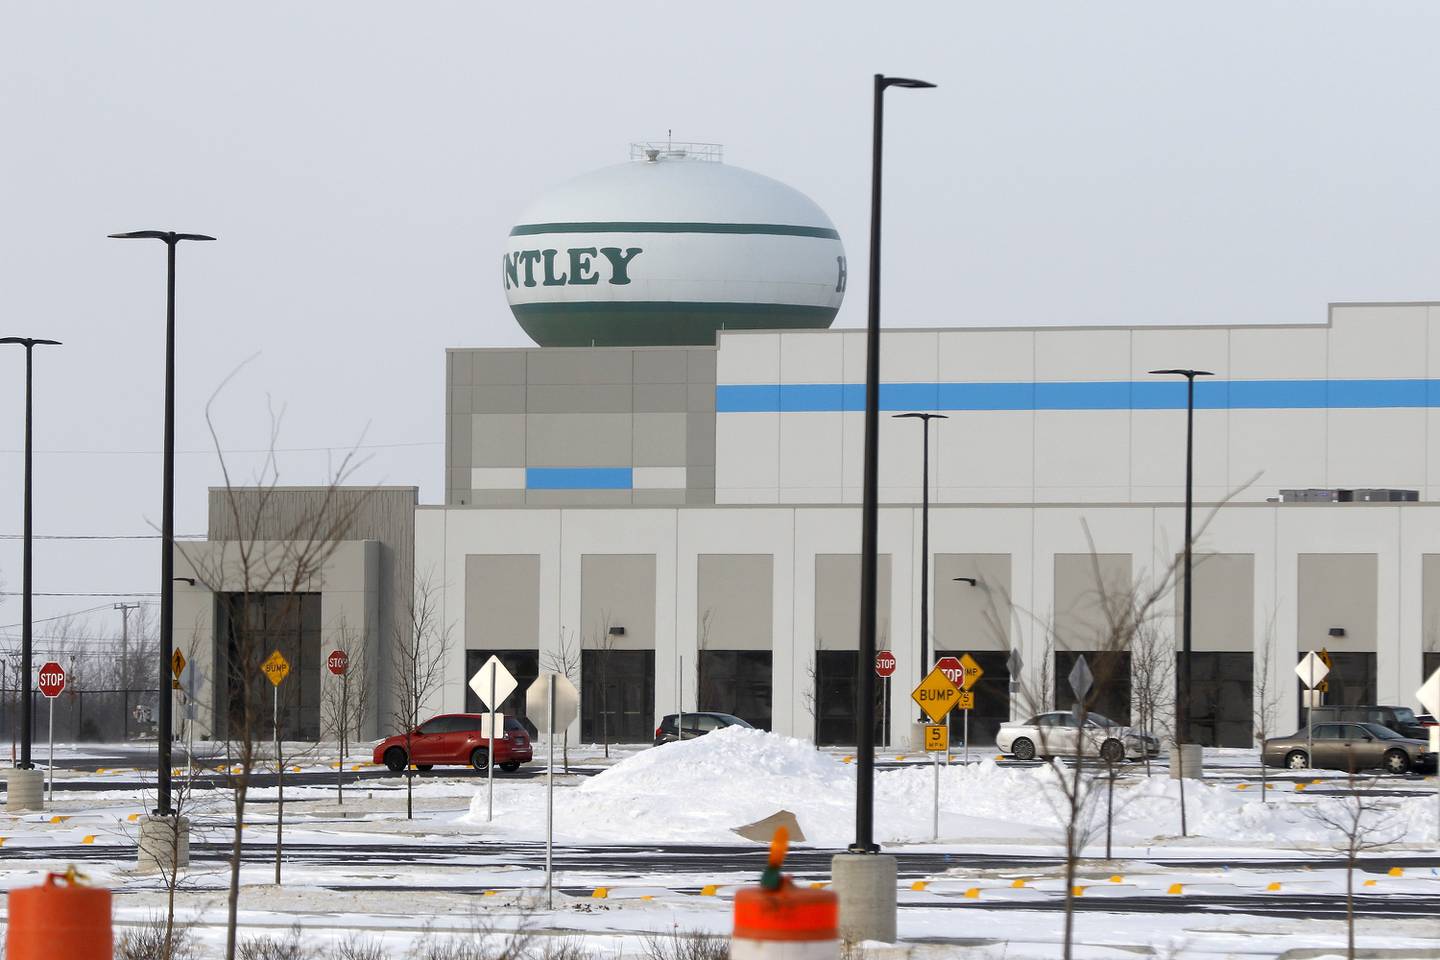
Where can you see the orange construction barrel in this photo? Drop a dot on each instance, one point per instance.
(59, 918)
(779, 921)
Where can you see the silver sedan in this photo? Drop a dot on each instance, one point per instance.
(1059, 734)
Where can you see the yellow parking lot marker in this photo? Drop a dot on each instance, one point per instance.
(1274, 886)
(1117, 879)
(1370, 883)
(133, 817)
(817, 885)
(490, 893)
(1077, 891)
(647, 896)
(88, 838)
(1299, 787)
(973, 893)
(709, 889)
(918, 885)
(1176, 888)
(899, 758)
(1396, 872)
(58, 819)
(2, 841)
(1018, 882)
(1242, 786)
(600, 893)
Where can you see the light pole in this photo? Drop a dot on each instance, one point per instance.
(1182, 713)
(864, 882)
(869, 513)
(27, 584)
(924, 419)
(167, 513)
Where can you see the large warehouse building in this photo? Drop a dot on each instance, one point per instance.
(663, 496)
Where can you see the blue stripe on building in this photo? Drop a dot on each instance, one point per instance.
(1082, 395)
(578, 478)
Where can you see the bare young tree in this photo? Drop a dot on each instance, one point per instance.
(810, 694)
(345, 699)
(1266, 700)
(268, 558)
(1359, 821)
(703, 695)
(1152, 678)
(418, 652)
(603, 640)
(565, 660)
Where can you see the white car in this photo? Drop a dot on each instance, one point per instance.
(1058, 734)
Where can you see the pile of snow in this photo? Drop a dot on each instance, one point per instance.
(700, 790)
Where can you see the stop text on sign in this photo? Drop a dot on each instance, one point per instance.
(52, 679)
(338, 661)
(884, 663)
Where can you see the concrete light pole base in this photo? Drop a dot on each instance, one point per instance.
(24, 789)
(865, 886)
(1187, 759)
(164, 844)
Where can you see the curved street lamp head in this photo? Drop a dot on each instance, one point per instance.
(970, 580)
(904, 82)
(28, 342)
(169, 236)
(1189, 374)
(919, 416)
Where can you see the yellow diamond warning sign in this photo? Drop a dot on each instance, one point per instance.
(971, 671)
(276, 668)
(177, 663)
(936, 695)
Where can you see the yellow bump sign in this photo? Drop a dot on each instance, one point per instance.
(970, 671)
(276, 668)
(936, 695)
(937, 738)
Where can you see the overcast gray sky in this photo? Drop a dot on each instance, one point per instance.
(361, 164)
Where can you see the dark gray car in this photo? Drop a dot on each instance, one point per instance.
(1349, 746)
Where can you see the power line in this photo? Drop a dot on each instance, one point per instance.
(100, 536)
(62, 616)
(156, 453)
(9, 593)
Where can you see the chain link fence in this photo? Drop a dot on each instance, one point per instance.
(81, 716)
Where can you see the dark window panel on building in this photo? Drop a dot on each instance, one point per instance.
(617, 696)
(835, 699)
(284, 622)
(992, 697)
(1351, 682)
(737, 682)
(1220, 709)
(524, 666)
(1110, 695)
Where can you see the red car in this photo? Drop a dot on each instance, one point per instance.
(454, 739)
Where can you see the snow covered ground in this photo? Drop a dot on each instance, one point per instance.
(1252, 877)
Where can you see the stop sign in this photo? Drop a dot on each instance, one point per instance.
(884, 663)
(337, 661)
(952, 669)
(52, 679)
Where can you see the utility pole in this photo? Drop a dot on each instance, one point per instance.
(125, 609)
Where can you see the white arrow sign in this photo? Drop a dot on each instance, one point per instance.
(1081, 679)
(504, 683)
(1311, 670)
(1429, 694)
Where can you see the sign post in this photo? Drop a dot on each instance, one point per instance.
(338, 663)
(51, 684)
(937, 696)
(1311, 670)
(884, 668)
(276, 668)
(492, 683)
(1429, 697)
(554, 700)
(971, 673)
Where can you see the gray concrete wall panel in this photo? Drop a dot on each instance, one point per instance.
(578, 439)
(618, 590)
(966, 617)
(497, 440)
(1224, 589)
(1084, 584)
(735, 601)
(837, 601)
(659, 440)
(1337, 590)
(502, 601)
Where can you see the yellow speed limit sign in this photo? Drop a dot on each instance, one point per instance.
(937, 738)
(966, 701)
